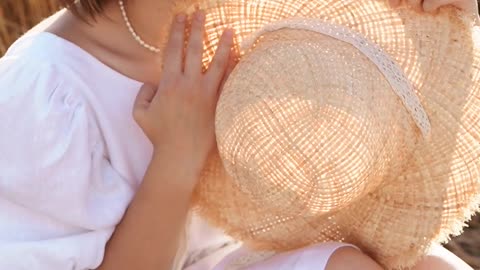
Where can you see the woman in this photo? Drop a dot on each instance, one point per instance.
(85, 185)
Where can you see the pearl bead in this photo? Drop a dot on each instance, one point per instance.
(134, 34)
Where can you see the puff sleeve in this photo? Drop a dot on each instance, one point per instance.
(60, 198)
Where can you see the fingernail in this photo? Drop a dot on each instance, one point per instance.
(200, 16)
(228, 33)
(428, 7)
(394, 3)
(181, 17)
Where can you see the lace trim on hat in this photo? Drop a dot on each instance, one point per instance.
(390, 69)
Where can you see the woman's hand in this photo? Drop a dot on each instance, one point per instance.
(469, 6)
(178, 118)
(178, 115)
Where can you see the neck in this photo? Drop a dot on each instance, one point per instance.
(108, 38)
(149, 18)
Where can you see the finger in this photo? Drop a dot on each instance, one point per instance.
(433, 5)
(394, 3)
(145, 96)
(415, 4)
(193, 61)
(219, 64)
(232, 63)
(174, 49)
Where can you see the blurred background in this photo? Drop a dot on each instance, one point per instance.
(17, 16)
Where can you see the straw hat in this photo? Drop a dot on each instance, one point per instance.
(344, 121)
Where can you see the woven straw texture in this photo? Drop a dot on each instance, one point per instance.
(314, 146)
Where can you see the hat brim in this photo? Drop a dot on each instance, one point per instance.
(437, 191)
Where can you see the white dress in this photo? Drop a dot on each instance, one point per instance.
(71, 156)
(71, 159)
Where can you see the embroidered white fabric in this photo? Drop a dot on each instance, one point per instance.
(389, 68)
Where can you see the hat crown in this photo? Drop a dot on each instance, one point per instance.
(308, 127)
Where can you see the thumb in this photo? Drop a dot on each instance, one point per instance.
(433, 5)
(145, 96)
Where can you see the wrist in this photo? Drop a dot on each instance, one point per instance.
(178, 171)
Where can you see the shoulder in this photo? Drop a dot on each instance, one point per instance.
(35, 89)
(52, 60)
(42, 104)
(39, 57)
(35, 67)
(37, 73)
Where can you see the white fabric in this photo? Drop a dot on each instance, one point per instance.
(71, 155)
(314, 257)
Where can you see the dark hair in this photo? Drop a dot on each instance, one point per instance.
(89, 8)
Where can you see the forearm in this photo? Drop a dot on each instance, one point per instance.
(148, 236)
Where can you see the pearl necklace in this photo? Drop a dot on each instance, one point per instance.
(132, 31)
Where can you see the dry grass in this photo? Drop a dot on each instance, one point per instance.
(467, 245)
(17, 16)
